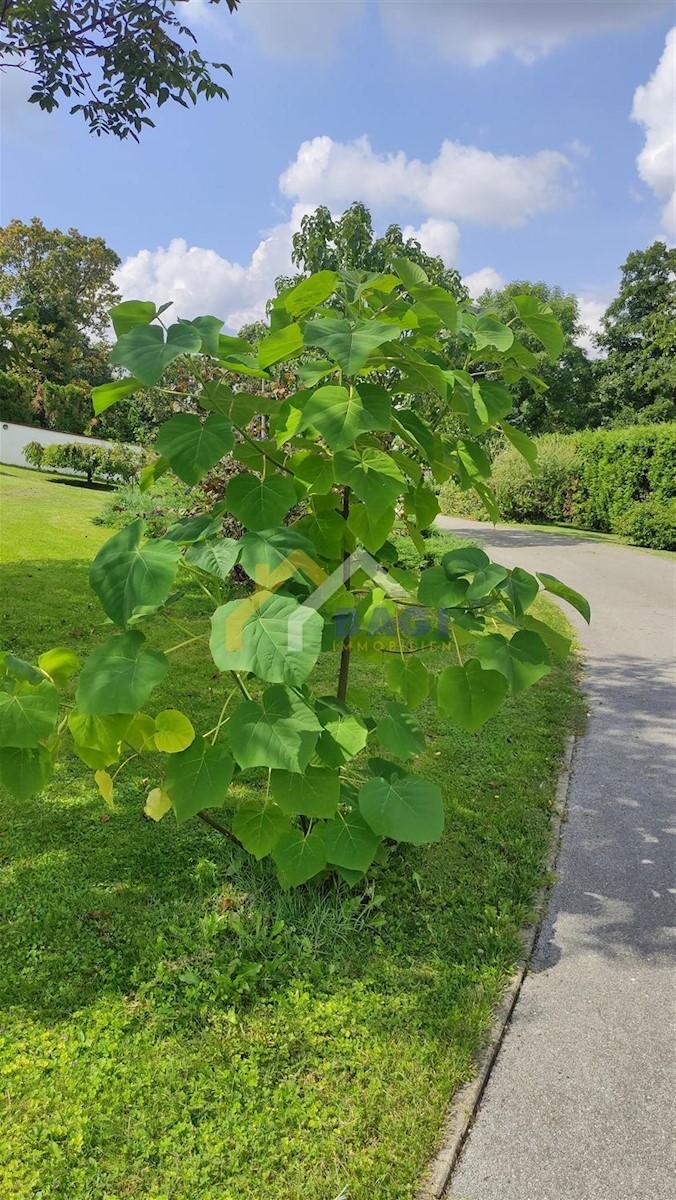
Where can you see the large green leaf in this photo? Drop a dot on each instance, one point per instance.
(97, 740)
(120, 675)
(326, 530)
(442, 303)
(438, 591)
(129, 574)
(27, 717)
(369, 527)
(485, 581)
(408, 678)
(298, 856)
(307, 294)
(377, 404)
(273, 636)
(173, 732)
(194, 529)
(410, 273)
(198, 778)
(258, 826)
(282, 344)
(557, 588)
(217, 556)
(270, 556)
(337, 413)
(144, 352)
(470, 695)
(59, 663)
(490, 332)
(239, 407)
(522, 659)
(25, 771)
(129, 313)
(344, 733)
(526, 447)
(349, 842)
(408, 808)
(260, 503)
(464, 561)
(314, 794)
(400, 732)
(373, 476)
(540, 319)
(209, 329)
(350, 345)
(522, 589)
(109, 393)
(279, 732)
(315, 471)
(192, 446)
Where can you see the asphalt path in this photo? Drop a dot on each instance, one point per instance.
(579, 1105)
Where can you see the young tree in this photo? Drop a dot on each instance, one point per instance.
(570, 400)
(639, 337)
(115, 58)
(55, 292)
(349, 244)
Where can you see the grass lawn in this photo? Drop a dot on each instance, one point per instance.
(177, 1028)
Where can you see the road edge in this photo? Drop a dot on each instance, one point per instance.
(464, 1104)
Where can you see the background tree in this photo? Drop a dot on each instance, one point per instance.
(349, 243)
(114, 58)
(637, 380)
(570, 401)
(61, 286)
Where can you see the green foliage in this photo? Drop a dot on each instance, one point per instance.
(113, 60)
(599, 479)
(649, 523)
(167, 501)
(639, 335)
(117, 462)
(266, 645)
(16, 397)
(34, 454)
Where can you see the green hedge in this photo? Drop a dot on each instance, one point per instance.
(116, 462)
(597, 479)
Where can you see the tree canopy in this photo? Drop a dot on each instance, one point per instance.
(348, 243)
(638, 376)
(569, 401)
(114, 58)
(55, 292)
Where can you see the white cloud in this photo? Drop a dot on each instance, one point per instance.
(436, 237)
(655, 109)
(200, 281)
(296, 28)
(479, 281)
(474, 31)
(477, 31)
(592, 307)
(461, 183)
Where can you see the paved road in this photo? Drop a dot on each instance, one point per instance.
(580, 1102)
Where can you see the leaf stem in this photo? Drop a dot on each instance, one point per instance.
(260, 450)
(245, 692)
(208, 820)
(344, 668)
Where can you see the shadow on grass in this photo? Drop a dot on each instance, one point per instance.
(94, 486)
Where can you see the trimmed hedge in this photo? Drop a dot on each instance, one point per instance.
(117, 462)
(597, 479)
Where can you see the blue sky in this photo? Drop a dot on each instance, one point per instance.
(501, 131)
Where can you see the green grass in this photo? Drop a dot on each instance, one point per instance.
(174, 1026)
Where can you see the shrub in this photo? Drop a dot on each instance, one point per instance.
(650, 523)
(521, 495)
(620, 467)
(16, 394)
(34, 454)
(160, 506)
(118, 462)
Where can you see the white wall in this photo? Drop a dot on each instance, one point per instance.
(13, 438)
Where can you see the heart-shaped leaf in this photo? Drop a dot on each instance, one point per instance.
(27, 717)
(25, 771)
(350, 345)
(217, 556)
(314, 794)
(522, 659)
(129, 574)
(400, 732)
(349, 842)
(260, 503)
(337, 413)
(173, 731)
(271, 556)
(470, 695)
(557, 588)
(109, 393)
(193, 446)
(273, 636)
(408, 678)
(298, 856)
(279, 732)
(145, 353)
(120, 675)
(408, 809)
(259, 826)
(540, 319)
(198, 778)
